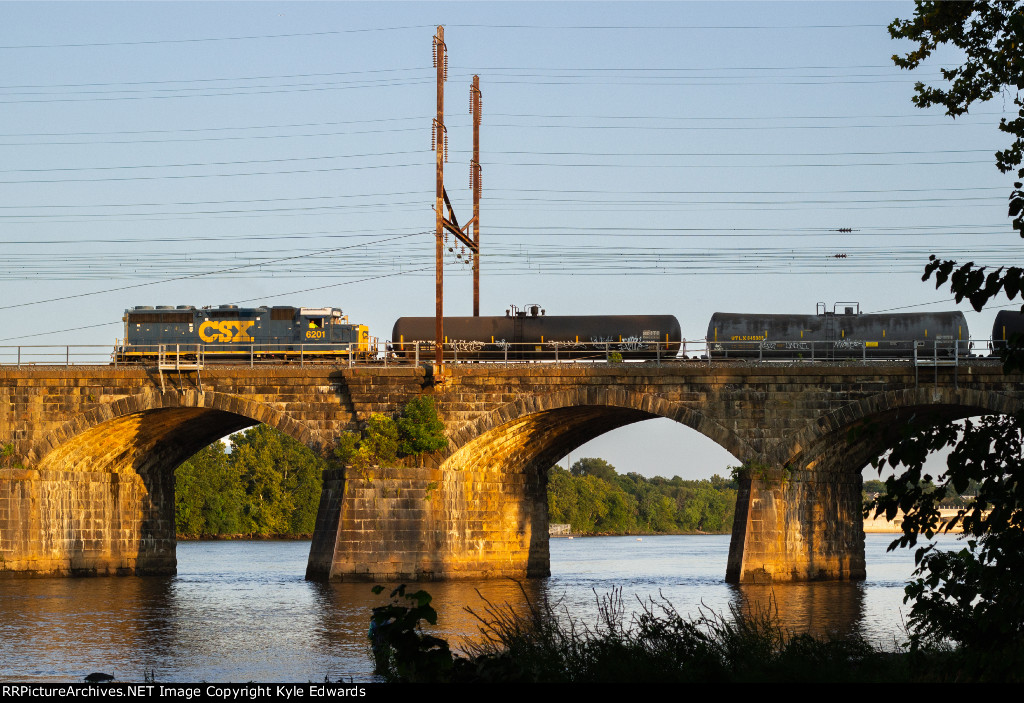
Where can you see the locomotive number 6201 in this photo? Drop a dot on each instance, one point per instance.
(314, 334)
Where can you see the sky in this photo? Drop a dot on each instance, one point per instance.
(638, 158)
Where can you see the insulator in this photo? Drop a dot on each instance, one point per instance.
(446, 146)
(434, 52)
(446, 65)
(433, 135)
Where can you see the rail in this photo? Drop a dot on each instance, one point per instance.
(182, 357)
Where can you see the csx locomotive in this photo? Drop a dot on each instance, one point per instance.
(228, 332)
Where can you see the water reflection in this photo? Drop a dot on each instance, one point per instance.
(829, 609)
(241, 611)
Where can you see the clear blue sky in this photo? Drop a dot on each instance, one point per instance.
(665, 158)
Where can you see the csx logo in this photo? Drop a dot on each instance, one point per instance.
(226, 331)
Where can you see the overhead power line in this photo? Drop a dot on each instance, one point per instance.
(336, 32)
(195, 275)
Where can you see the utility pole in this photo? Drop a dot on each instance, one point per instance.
(475, 184)
(450, 225)
(440, 140)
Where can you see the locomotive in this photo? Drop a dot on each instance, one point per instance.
(228, 332)
(842, 333)
(530, 334)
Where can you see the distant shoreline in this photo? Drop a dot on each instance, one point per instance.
(256, 538)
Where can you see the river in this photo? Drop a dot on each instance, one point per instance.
(241, 611)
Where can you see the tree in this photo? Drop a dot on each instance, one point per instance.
(208, 494)
(973, 597)
(384, 440)
(419, 428)
(269, 484)
(591, 466)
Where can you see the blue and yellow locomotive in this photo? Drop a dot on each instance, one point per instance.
(228, 332)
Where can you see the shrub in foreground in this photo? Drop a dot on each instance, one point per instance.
(655, 645)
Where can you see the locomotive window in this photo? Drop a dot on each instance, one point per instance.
(316, 323)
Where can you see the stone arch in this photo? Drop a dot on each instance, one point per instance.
(248, 411)
(643, 406)
(878, 417)
(493, 479)
(101, 495)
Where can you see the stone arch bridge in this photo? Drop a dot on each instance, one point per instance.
(89, 486)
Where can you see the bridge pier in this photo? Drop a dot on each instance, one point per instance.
(428, 523)
(77, 523)
(797, 525)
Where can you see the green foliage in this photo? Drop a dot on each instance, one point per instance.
(990, 36)
(657, 645)
(402, 653)
(972, 597)
(615, 357)
(380, 439)
(383, 441)
(594, 467)
(208, 494)
(593, 498)
(419, 428)
(7, 457)
(269, 484)
(345, 448)
(874, 486)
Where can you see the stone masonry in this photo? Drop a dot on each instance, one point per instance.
(89, 487)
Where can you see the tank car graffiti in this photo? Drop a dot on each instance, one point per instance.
(466, 345)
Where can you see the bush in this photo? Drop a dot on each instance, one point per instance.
(656, 645)
(383, 441)
(419, 428)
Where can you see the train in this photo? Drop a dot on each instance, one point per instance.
(529, 333)
(1007, 325)
(296, 334)
(230, 333)
(841, 333)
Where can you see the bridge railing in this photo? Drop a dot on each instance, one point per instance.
(545, 351)
(930, 352)
(56, 355)
(918, 351)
